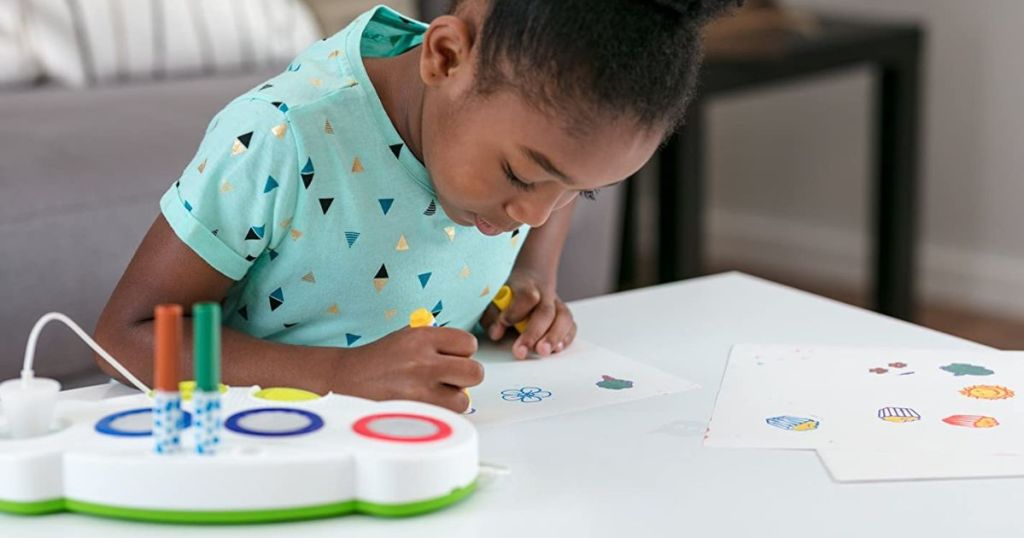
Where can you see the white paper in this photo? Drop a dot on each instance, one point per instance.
(805, 397)
(562, 383)
(876, 466)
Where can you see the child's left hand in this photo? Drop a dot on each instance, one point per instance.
(550, 328)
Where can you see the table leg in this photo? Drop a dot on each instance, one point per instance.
(628, 251)
(895, 213)
(681, 200)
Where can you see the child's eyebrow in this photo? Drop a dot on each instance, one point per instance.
(546, 164)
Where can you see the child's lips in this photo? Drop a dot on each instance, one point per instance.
(487, 228)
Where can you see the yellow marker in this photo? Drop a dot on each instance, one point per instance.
(502, 300)
(421, 317)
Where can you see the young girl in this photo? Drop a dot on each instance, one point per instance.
(396, 166)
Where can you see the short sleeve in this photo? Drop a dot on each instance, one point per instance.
(237, 197)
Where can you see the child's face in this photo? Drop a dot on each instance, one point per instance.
(497, 161)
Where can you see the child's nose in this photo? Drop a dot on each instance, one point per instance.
(535, 208)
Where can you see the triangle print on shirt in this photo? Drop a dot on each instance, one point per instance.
(331, 228)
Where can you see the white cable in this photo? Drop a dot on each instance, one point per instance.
(491, 474)
(30, 349)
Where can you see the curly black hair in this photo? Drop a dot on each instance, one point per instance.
(590, 60)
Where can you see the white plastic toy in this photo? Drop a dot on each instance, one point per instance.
(283, 454)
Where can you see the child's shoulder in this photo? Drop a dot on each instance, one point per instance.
(317, 73)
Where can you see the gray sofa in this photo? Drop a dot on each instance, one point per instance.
(81, 174)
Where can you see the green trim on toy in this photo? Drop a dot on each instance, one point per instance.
(416, 508)
(184, 516)
(32, 508)
(245, 516)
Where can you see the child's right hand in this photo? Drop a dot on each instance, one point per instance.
(428, 364)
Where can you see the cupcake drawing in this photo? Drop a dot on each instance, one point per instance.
(898, 414)
(796, 424)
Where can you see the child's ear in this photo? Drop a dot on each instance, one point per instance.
(447, 55)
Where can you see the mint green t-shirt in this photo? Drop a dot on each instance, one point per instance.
(303, 192)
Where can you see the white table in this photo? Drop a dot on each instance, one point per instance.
(639, 469)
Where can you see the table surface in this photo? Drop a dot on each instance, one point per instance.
(640, 468)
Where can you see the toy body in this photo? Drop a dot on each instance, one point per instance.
(277, 460)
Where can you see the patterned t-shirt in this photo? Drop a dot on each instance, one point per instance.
(303, 192)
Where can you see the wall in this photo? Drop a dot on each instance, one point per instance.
(333, 15)
(789, 167)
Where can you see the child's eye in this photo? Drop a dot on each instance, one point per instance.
(518, 183)
(589, 195)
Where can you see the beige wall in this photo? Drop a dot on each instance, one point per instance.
(789, 167)
(335, 14)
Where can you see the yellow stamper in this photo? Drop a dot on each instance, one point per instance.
(502, 300)
(421, 317)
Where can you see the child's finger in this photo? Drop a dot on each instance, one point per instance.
(460, 371)
(540, 321)
(560, 328)
(453, 398)
(568, 339)
(523, 304)
(489, 321)
(449, 341)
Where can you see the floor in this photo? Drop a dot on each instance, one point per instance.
(995, 331)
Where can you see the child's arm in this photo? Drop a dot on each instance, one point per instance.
(550, 328)
(426, 364)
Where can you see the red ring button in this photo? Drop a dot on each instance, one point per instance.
(365, 427)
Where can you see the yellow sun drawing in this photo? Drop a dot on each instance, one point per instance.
(987, 392)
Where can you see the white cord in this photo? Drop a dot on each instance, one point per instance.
(30, 349)
(491, 474)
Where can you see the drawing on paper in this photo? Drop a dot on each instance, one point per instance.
(525, 394)
(609, 382)
(959, 368)
(893, 369)
(987, 392)
(898, 414)
(796, 424)
(971, 421)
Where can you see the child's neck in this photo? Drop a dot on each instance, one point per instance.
(398, 84)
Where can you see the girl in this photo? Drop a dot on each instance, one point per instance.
(395, 166)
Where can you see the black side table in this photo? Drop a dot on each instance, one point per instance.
(894, 50)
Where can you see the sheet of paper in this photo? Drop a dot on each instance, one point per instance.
(581, 377)
(881, 399)
(877, 466)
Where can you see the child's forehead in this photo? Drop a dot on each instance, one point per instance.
(603, 151)
(570, 122)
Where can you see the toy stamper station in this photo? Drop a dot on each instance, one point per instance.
(201, 452)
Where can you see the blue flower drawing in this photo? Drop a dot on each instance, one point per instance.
(525, 394)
